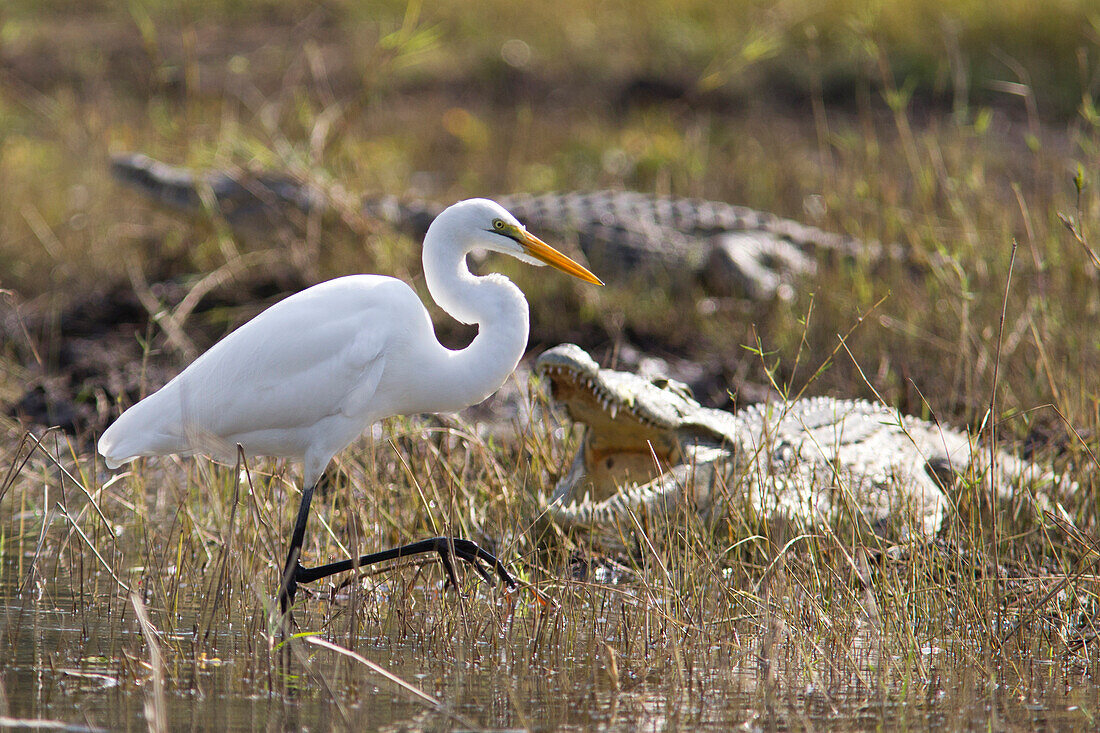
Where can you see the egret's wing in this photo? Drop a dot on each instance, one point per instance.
(299, 362)
(302, 375)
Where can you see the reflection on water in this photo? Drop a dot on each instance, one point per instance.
(83, 661)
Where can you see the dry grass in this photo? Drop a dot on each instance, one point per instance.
(697, 628)
(788, 633)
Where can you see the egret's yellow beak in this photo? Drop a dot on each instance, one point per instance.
(540, 250)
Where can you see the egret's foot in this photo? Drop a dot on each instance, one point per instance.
(465, 550)
(446, 547)
(471, 553)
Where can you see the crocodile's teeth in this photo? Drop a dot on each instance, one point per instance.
(614, 411)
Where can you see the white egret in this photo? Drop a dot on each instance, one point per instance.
(307, 376)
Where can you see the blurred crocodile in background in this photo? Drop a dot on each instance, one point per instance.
(730, 250)
(649, 450)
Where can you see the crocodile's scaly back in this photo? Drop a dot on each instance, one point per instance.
(649, 450)
(614, 214)
(730, 249)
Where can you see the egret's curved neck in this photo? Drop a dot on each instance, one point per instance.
(492, 302)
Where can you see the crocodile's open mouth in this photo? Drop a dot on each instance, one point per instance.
(624, 442)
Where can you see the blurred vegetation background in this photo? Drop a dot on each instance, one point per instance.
(955, 128)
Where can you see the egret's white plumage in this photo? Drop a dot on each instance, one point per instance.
(304, 378)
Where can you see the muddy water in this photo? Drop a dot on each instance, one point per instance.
(81, 660)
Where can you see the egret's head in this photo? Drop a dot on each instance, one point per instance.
(487, 224)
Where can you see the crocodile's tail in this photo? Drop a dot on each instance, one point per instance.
(242, 198)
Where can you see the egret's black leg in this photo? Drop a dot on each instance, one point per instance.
(463, 549)
(292, 570)
(294, 573)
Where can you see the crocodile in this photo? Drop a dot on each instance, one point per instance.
(649, 450)
(728, 249)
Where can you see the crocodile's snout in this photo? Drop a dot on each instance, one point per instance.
(611, 399)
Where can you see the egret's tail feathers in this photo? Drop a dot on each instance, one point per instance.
(121, 443)
(149, 428)
(111, 459)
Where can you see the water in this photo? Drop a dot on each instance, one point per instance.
(621, 652)
(87, 665)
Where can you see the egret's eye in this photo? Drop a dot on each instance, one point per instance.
(498, 225)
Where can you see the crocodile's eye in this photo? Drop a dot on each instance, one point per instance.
(498, 225)
(674, 386)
